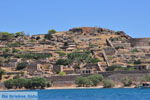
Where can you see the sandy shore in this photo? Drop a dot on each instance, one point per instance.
(74, 87)
(69, 87)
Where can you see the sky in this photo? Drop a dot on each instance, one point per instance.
(39, 16)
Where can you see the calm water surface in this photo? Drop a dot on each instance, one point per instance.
(94, 94)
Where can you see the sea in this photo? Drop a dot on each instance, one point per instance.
(91, 94)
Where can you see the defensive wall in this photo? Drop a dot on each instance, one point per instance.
(136, 42)
(116, 76)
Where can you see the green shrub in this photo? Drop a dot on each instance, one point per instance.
(15, 44)
(93, 60)
(82, 57)
(93, 45)
(19, 34)
(130, 69)
(15, 50)
(95, 79)
(2, 72)
(22, 65)
(34, 55)
(5, 36)
(38, 82)
(119, 68)
(134, 50)
(61, 54)
(127, 81)
(91, 80)
(146, 78)
(113, 68)
(88, 82)
(137, 62)
(108, 83)
(77, 55)
(63, 62)
(62, 73)
(5, 50)
(119, 47)
(49, 34)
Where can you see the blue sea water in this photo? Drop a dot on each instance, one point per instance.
(94, 94)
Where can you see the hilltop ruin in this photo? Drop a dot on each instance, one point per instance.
(82, 50)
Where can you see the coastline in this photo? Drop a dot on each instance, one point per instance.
(66, 87)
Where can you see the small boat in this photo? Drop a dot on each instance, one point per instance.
(145, 85)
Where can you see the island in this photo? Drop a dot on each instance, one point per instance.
(82, 57)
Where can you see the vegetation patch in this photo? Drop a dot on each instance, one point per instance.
(22, 65)
(33, 83)
(91, 80)
(127, 81)
(108, 83)
(34, 55)
(49, 34)
(119, 68)
(15, 44)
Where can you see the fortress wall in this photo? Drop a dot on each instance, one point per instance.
(136, 42)
(116, 76)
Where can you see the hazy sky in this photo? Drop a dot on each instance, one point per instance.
(38, 16)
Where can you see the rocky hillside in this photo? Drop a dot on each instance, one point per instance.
(82, 50)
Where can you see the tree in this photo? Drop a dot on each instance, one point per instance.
(21, 65)
(9, 84)
(2, 72)
(49, 34)
(19, 34)
(127, 81)
(38, 82)
(137, 62)
(108, 83)
(83, 81)
(37, 38)
(20, 82)
(5, 36)
(88, 82)
(28, 84)
(63, 62)
(33, 83)
(91, 80)
(95, 79)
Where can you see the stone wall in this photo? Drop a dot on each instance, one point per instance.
(116, 76)
(124, 45)
(109, 51)
(137, 42)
